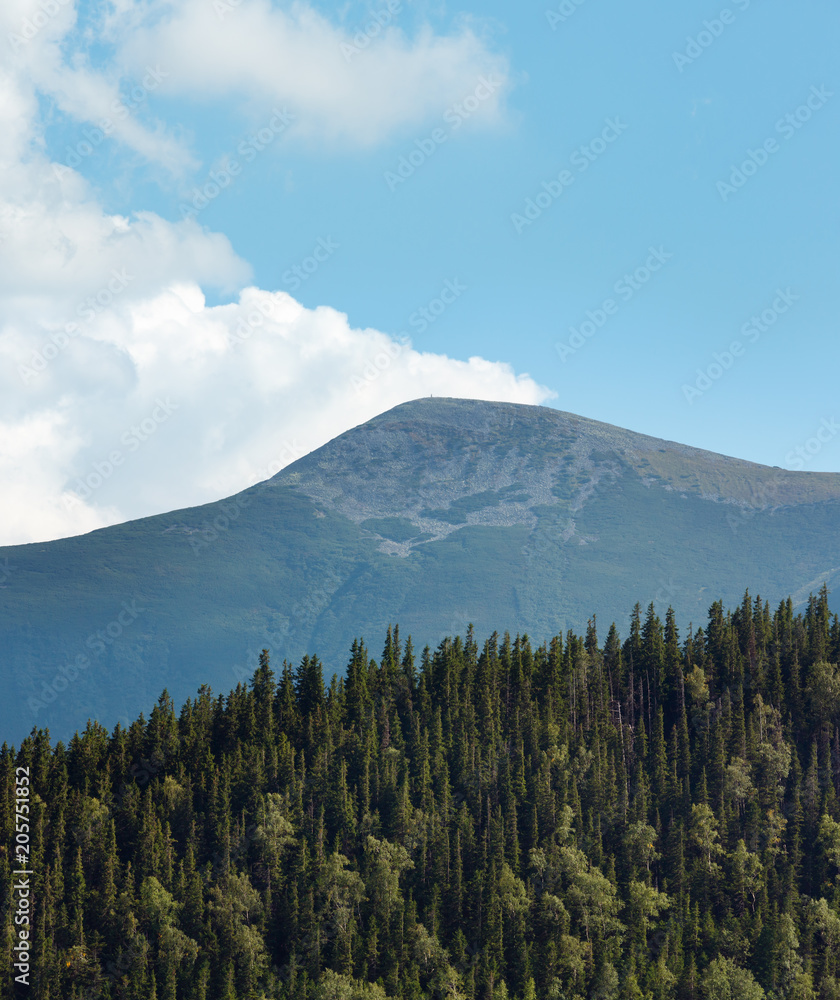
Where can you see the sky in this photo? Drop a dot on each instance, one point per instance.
(232, 229)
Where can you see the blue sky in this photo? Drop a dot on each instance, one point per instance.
(709, 297)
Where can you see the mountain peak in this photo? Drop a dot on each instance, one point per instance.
(442, 456)
(434, 515)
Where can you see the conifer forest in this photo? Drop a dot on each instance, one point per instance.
(654, 816)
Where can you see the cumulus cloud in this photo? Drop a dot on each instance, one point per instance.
(166, 403)
(186, 403)
(122, 393)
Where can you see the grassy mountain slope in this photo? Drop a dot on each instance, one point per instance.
(435, 514)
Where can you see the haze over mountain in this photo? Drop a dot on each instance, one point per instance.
(438, 513)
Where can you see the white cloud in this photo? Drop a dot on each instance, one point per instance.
(340, 84)
(122, 393)
(44, 54)
(338, 89)
(197, 402)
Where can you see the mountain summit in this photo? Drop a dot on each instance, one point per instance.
(438, 513)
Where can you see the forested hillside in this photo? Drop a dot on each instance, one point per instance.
(649, 817)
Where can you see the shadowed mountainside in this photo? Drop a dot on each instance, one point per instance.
(435, 514)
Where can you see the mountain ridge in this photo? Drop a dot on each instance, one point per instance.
(435, 514)
(785, 487)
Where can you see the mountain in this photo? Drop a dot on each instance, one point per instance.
(438, 513)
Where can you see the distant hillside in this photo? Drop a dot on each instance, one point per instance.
(438, 513)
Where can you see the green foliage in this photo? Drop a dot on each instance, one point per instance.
(332, 986)
(654, 820)
(156, 904)
(724, 980)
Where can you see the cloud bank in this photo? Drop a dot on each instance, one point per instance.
(122, 393)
